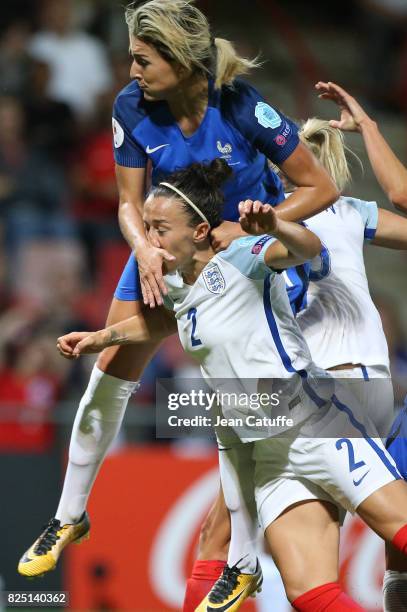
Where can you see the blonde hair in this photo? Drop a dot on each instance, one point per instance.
(180, 32)
(328, 145)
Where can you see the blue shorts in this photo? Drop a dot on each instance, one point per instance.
(396, 442)
(129, 288)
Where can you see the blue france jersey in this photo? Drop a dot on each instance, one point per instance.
(238, 126)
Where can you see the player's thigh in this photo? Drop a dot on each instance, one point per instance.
(385, 511)
(215, 531)
(127, 362)
(304, 543)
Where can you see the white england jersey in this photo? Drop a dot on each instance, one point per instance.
(236, 319)
(341, 323)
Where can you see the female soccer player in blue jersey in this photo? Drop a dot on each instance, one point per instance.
(349, 469)
(185, 104)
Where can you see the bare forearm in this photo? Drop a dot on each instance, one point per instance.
(305, 202)
(132, 226)
(388, 169)
(138, 329)
(391, 231)
(129, 331)
(315, 189)
(298, 244)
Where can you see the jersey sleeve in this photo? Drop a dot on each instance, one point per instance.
(297, 283)
(369, 212)
(247, 255)
(126, 115)
(268, 130)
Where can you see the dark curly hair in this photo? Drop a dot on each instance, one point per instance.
(201, 183)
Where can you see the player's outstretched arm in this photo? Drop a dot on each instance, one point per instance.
(389, 171)
(141, 328)
(391, 231)
(131, 186)
(315, 189)
(295, 243)
(315, 192)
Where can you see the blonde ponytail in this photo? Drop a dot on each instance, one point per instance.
(328, 146)
(229, 64)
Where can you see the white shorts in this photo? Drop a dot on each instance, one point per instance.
(343, 470)
(335, 455)
(373, 388)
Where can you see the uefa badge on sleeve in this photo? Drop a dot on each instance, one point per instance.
(267, 116)
(258, 247)
(118, 133)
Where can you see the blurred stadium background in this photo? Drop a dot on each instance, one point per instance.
(61, 254)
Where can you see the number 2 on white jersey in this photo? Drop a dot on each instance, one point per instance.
(192, 316)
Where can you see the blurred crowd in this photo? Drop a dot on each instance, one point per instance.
(61, 251)
(62, 63)
(384, 32)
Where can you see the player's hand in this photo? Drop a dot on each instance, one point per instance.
(150, 261)
(72, 345)
(67, 344)
(257, 218)
(93, 343)
(224, 234)
(352, 114)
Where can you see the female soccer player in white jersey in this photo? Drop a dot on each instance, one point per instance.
(340, 322)
(392, 176)
(185, 104)
(325, 472)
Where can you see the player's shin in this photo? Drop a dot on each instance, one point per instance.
(242, 576)
(237, 474)
(213, 551)
(204, 575)
(97, 422)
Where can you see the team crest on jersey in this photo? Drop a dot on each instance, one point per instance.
(225, 149)
(213, 277)
(118, 133)
(267, 116)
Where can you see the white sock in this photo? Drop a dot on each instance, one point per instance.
(98, 419)
(394, 591)
(237, 476)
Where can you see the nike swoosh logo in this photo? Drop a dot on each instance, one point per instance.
(150, 150)
(227, 606)
(357, 482)
(224, 449)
